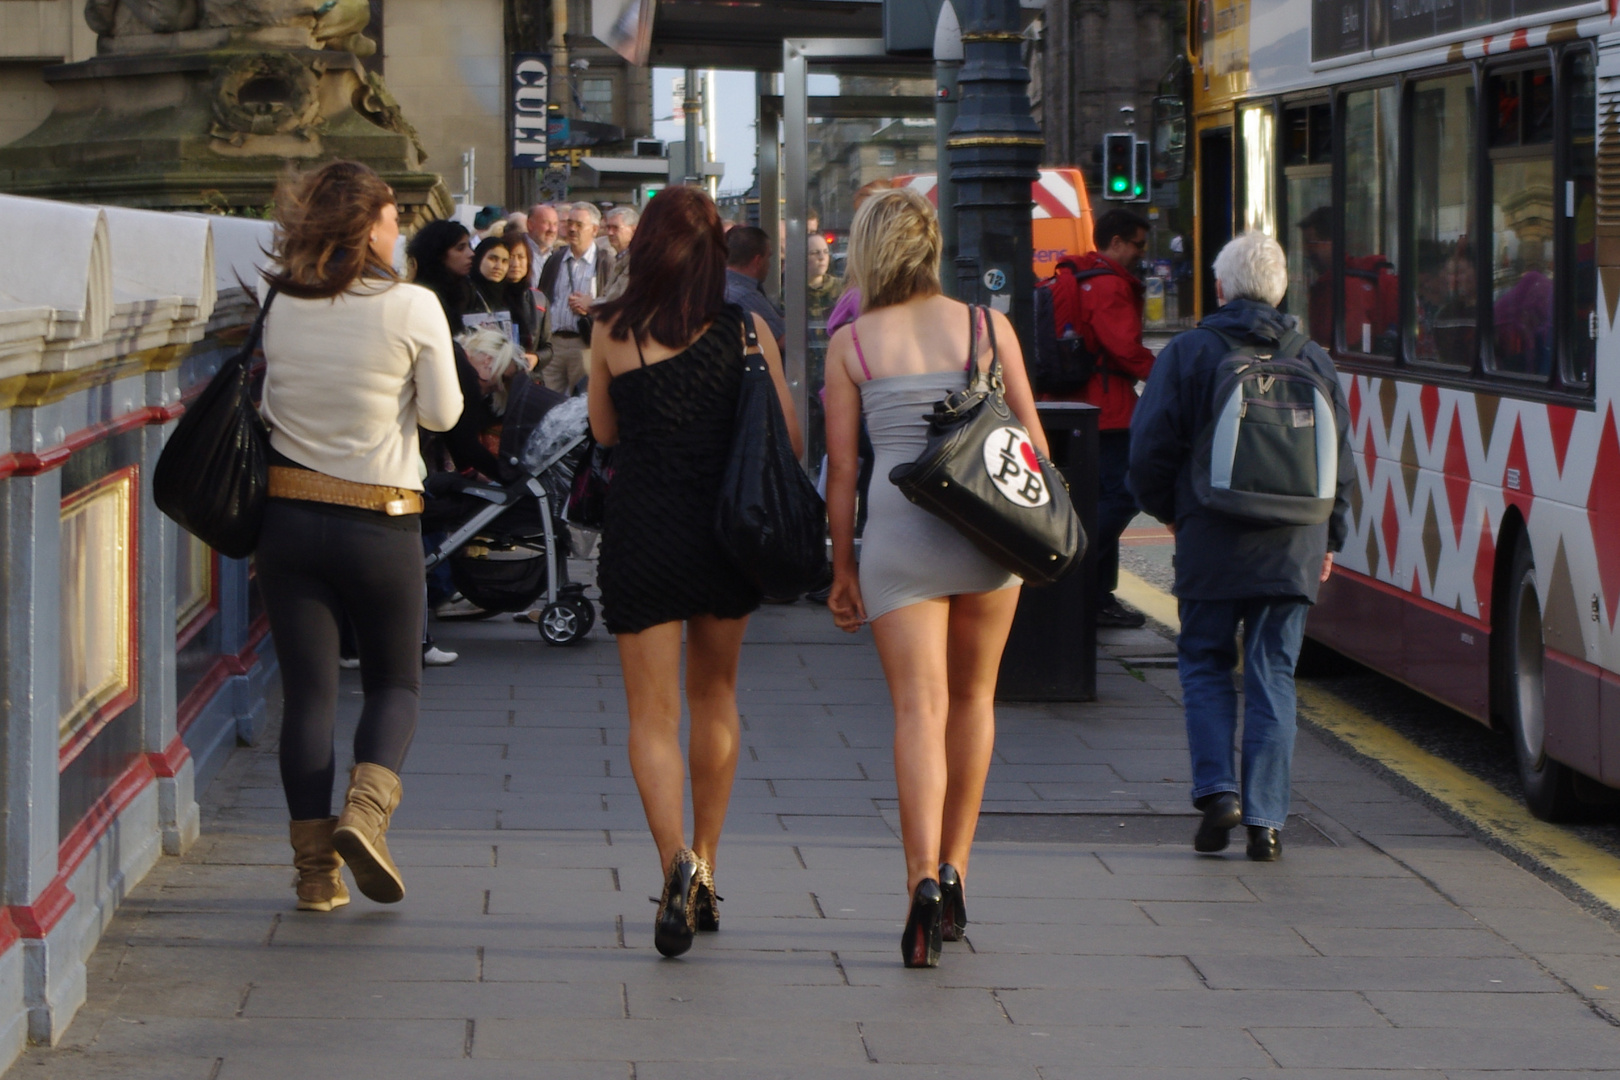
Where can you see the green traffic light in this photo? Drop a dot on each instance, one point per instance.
(1120, 184)
(1138, 191)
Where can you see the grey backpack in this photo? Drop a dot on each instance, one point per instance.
(1270, 452)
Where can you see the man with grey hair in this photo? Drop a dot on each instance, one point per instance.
(619, 226)
(1230, 570)
(572, 279)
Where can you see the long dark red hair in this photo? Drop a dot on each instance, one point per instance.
(677, 271)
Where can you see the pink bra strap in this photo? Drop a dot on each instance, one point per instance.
(859, 355)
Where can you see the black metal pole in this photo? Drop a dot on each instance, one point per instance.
(995, 154)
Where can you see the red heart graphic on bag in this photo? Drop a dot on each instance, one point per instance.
(1029, 457)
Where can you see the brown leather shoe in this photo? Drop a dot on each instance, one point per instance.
(361, 836)
(320, 882)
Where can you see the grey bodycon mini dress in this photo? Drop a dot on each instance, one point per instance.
(908, 554)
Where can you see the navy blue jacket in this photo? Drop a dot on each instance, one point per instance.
(1218, 557)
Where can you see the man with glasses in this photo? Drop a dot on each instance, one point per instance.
(619, 226)
(1110, 323)
(572, 280)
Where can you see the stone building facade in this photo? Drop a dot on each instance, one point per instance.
(1092, 57)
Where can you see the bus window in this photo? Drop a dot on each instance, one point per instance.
(1259, 169)
(1371, 216)
(1445, 296)
(1308, 191)
(1519, 112)
(1580, 219)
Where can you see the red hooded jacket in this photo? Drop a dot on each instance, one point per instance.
(1111, 323)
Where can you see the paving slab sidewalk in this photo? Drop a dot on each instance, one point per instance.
(1386, 943)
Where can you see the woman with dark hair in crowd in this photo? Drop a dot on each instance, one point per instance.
(355, 360)
(441, 257)
(526, 303)
(666, 372)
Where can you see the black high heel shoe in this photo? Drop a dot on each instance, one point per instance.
(672, 929)
(706, 900)
(920, 944)
(954, 917)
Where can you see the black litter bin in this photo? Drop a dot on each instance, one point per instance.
(1052, 651)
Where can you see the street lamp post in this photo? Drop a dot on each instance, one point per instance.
(995, 154)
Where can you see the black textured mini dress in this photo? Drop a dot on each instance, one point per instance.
(660, 561)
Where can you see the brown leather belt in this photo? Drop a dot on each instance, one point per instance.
(312, 486)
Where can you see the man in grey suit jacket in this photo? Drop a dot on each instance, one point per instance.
(572, 279)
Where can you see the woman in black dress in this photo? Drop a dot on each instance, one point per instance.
(666, 371)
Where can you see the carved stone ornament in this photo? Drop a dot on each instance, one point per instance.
(265, 94)
(373, 101)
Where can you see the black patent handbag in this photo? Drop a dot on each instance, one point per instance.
(769, 518)
(213, 477)
(981, 473)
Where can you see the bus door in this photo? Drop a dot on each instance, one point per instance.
(1214, 208)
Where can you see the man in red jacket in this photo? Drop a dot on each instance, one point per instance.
(1111, 324)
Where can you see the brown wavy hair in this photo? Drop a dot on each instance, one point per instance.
(677, 271)
(323, 230)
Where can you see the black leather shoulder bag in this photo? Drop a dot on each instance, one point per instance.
(982, 474)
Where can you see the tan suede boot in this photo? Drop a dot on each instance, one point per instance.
(362, 832)
(320, 881)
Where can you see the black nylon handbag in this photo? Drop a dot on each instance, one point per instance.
(981, 473)
(769, 518)
(213, 476)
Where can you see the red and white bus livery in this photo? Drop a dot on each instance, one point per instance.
(1446, 181)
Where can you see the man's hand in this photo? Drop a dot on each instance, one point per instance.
(579, 303)
(1327, 565)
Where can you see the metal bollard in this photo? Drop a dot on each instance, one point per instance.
(1052, 651)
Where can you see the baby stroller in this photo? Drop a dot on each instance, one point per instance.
(506, 544)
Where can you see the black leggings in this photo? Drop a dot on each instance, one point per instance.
(313, 568)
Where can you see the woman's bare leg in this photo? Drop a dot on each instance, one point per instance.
(651, 660)
(712, 648)
(979, 626)
(911, 642)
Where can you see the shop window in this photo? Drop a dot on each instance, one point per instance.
(1444, 294)
(596, 96)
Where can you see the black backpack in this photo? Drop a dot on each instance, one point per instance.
(1269, 454)
(1064, 363)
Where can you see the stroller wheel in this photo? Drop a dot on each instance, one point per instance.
(566, 621)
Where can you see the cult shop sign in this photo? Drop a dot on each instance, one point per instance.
(531, 94)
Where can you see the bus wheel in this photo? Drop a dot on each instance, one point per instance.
(1549, 786)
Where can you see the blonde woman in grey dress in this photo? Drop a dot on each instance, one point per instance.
(939, 609)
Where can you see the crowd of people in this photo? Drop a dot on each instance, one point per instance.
(652, 323)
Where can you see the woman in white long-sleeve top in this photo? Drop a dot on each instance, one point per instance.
(355, 360)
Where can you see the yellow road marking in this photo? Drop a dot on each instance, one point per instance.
(1501, 817)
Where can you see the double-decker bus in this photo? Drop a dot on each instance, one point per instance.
(1445, 177)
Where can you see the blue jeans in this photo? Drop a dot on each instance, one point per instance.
(1273, 628)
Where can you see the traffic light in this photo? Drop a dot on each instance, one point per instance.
(1119, 165)
(1142, 186)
